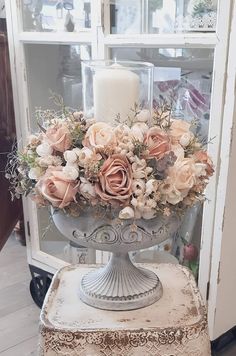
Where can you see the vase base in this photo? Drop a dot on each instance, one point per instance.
(120, 286)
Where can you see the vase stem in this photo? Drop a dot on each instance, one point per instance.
(120, 285)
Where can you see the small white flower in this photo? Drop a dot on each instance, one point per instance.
(143, 116)
(71, 172)
(138, 186)
(70, 156)
(151, 186)
(86, 188)
(35, 173)
(44, 149)
(126, 213)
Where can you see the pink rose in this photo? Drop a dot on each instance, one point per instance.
(158, 143)
(59, 137)
(115, 180)
(202, 157)
(180, 132)
(58, 190)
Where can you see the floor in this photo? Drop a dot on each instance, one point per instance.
(18, 314)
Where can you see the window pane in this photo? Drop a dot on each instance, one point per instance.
(162, 16)
(55, 68)
(56, 15)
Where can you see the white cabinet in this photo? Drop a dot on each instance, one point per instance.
(187, 40)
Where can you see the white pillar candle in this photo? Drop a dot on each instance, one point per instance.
(116, 90)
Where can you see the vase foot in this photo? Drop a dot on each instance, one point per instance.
(120, 285)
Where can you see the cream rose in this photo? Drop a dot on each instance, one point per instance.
(180, 132)
(59, 137)
(181, 178)
(99, 135)
(58, 190)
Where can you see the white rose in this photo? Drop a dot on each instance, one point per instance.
(138, 130)
(143, 116)
(71, 172)
(35, 173)
(86, 188)
(126, 213)
(70, 156)
(44, 149)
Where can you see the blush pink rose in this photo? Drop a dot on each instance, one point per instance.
(59, 137)
(58, 190)
(202, 157)
(158, 143)
(115, 180)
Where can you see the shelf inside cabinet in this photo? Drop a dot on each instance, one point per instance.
(56, 37)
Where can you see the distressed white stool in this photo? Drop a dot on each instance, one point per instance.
(175, 325)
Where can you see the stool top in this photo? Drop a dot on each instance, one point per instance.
(181, 305)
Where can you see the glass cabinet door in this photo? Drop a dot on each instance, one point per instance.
(56, 15)
(182, 79)
(162, 16)
(56, 69)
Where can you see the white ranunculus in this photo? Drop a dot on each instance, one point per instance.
(70, 156)
(44, 149)
(126, 213)
(71, 172)
(35, 173)
(143, 116)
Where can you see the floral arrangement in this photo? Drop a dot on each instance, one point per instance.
(141, 168)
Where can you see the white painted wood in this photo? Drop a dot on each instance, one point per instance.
(163, 40)
(215, 126)
(221, 309)
(55, 37)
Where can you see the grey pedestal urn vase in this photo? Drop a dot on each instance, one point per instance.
(120, 285)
